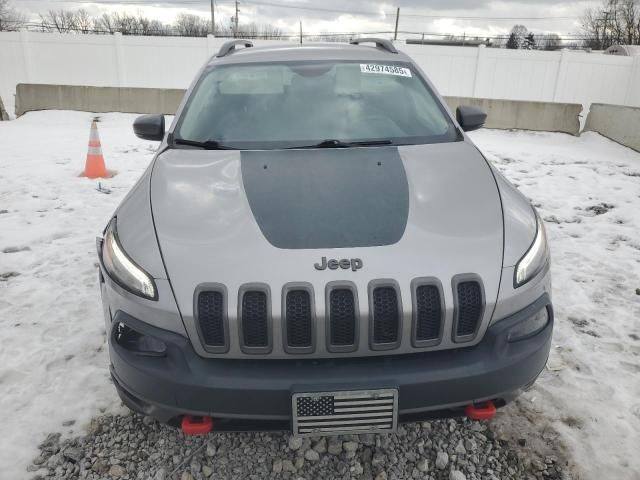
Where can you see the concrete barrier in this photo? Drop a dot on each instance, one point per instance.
(504, 114)
(3, 113)
(30, 97)
(508, 114)
(620, 124)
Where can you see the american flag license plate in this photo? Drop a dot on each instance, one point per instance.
(332, 413)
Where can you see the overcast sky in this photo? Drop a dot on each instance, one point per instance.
(543, 16)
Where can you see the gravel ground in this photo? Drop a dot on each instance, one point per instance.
(136, 447)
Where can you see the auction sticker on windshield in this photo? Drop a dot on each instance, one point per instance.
(385, 69)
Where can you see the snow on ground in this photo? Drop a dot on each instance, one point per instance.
(52, 351)
(587, 190)
(53, 364)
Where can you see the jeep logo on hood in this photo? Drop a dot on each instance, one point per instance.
(354, 264)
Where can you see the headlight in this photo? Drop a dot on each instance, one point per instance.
(535, 259)
(122, 269)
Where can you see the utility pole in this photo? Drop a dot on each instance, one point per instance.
(605, 25)
(213, 20)
(235, 30)
(395, 34)
(300, 32)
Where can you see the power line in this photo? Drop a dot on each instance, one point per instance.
(346, 11)
(315, 9)
(130, 2)
(458, 17)
(417, 15)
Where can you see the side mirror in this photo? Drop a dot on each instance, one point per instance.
(470, 118)
(149, 127)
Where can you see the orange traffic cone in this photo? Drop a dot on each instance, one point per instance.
(94, 166)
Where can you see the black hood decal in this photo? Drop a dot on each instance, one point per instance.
(327, 198)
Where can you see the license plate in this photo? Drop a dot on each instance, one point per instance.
(343, 412)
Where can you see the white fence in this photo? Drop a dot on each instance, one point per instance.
(170, 62)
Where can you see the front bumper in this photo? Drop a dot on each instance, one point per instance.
(256, 394)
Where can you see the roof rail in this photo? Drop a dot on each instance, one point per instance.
(380, 42)
(229, 47)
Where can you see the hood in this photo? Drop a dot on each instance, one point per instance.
(268, 217)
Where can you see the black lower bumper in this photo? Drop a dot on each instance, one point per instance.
(254, 391)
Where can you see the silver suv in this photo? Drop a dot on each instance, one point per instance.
(318, 246)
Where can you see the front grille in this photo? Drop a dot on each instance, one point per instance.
(342, 317)
(298, 318)
(251, 330)
(428, 313)
(469, 308)
(255, 320)
(211, 314)
(385, 315)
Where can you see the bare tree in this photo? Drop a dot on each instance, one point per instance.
(255, 31)
(248, 30)
(189, 25)
(630, 12)
(331, 37)
(11, 20)
(592, 26)
(83, 22)
(615, 22)
(62, 21)
(548, 41)
(130, 24)
(152, 27)
(105, 23)
(125, 23)
(80, 21)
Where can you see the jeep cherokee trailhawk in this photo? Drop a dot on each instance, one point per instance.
(318, 246)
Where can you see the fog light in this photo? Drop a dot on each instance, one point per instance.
(530, 326)
(136, 342)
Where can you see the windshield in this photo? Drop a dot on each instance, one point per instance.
(307, 104)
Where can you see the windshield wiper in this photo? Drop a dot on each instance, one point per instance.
(333, 143)
(206, 145)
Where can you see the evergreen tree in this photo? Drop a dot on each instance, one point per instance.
(517, 37)
(512, 43)
(529, 42)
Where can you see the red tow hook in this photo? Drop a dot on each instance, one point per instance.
(483, 411)
(196, 425)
